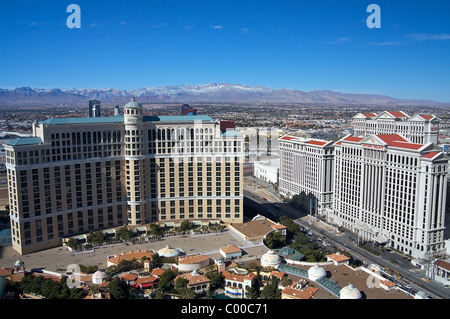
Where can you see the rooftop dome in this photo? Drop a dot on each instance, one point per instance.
(133, 104)
(316, 272)
(18, 263)
(98, 277)
(100, 274)
(270, 259)
(168, 252)
(350, 292)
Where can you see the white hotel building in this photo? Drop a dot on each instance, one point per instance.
(380, 184)
(306, 170)
(421, 128)
(390, 190)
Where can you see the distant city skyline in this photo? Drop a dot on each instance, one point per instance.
(298, 45)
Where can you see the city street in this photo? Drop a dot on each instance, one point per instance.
(411, 275)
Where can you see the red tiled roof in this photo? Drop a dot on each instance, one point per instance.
(288, 138)
(138, 255)
(410, 146)
(387, 283)
(194, 279)
(396, 140)
(427, 117)
(442, 264)
(306, 293)
(391, 138)
(369, 114)
(338, 257)
(235, 277)
(397, 114)
(230, 249)
(157, 271)
(353, 139)
(315, 142)
(431, 154)
(6, 272)
(147, 279)
(129, 276)
(193, 259)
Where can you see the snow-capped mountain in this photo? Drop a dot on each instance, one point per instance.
(212, 92)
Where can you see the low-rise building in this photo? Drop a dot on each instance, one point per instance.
(338, 259)
(236, 285)
(441, 271)
(299, 290)
(230, 251)
(196, 282)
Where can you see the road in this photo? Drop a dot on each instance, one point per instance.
(410, 275)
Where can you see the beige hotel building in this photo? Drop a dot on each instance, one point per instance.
(81, 174)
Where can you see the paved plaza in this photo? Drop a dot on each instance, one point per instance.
(58, 258)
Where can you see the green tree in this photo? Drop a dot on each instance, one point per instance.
(50, 289)
(217, 280)
(186, 293)
(126, 265)
(292, 227)
(156, 259)
(124, 233)
(72, 243)
(155, 230)
(181, 282)
(119, 289)
(95, 238)
(185, 226)
(252, 292)
(271, 291)
(88, 269)
(275, 240)
(166, 280)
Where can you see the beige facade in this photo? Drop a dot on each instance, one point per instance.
(81, 174)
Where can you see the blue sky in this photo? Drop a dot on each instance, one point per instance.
(300, 44)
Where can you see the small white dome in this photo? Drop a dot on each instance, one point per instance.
(99, 274)
(98, 277)
(168, 252)
(270, 259)
(350, 292)
(316, 272)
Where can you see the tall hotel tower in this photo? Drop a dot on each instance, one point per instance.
(387, 184)
(81, 174)
(389, 190)
(306, 172)
(420, 128)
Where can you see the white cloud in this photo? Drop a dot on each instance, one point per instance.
(389, 43)
(340, 40)
(428, 36)
(217, 27)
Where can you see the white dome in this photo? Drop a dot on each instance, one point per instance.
(99, 274)
(168, 252)
(98, 277)
(350, 292)
(316, 272)
(270, 259)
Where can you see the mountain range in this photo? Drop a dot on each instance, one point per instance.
(212, 92)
